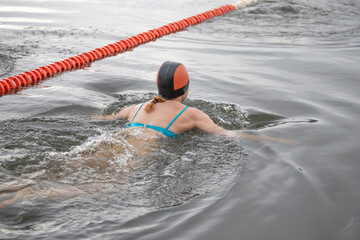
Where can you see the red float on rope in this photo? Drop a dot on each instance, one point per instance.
(128, 44)
(90, 56)
(47, 72)
(31, 75)
(16, 81)
(37, 74)
(40, 73)
(2, 87)
(121, 46)
(10, 83)
(67, 64)
(22, 80)
(52, 69)
(26, 77)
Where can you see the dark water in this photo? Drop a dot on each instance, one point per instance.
(287, 69)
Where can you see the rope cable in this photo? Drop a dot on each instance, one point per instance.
(11, 84)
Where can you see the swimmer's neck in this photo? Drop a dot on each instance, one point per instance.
(181, 98)
(178, 99)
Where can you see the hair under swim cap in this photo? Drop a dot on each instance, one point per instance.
(172, 80)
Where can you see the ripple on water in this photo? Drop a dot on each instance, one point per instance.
(6, 64)
(64, 161)
(57, 161)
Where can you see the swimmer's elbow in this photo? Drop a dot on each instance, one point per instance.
(101, 117)
(204, 122)
(212, 128)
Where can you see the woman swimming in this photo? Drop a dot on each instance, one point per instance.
(166, 113)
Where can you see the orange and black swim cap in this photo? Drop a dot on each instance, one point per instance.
(172, 80)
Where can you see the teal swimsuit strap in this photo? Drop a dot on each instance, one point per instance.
(137, 112)
(176, 117)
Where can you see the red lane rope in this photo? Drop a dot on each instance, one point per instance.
(85, 59)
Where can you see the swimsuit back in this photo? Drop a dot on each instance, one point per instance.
(164, 131)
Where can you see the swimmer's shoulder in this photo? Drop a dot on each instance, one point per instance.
(195, 113)
(129, 112)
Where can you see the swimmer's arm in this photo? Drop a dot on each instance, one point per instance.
(264, 138)
(204, 122)
(123, 113)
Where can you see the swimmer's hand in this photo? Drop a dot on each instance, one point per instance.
(263, 138)
(102, 117)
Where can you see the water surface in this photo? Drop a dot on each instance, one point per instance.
(283, 68)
